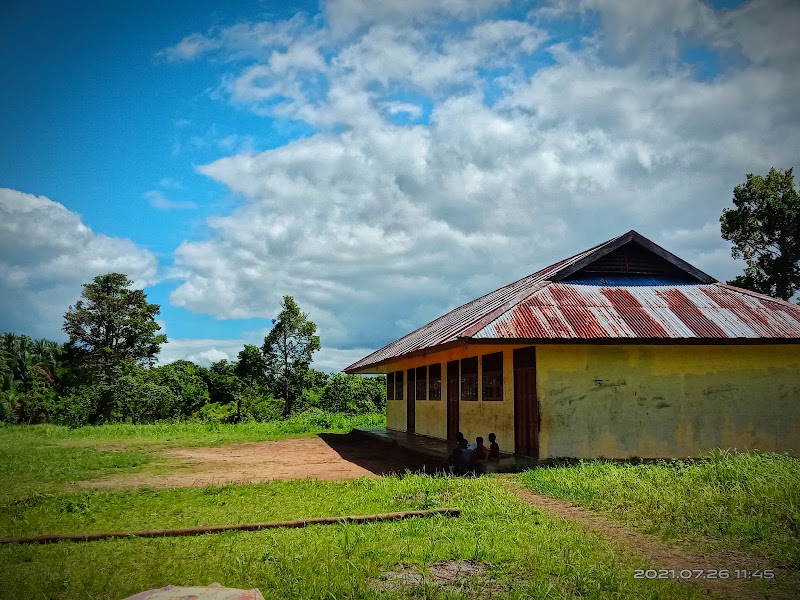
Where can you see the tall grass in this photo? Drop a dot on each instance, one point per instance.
(746, 501)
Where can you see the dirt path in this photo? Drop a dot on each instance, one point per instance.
(659, 555)
(329, 457)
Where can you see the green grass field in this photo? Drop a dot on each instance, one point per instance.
(42, 458)
(743, 501)
(526, 553)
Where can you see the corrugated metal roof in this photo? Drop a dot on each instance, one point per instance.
(451, 326)
(594, 307)
(688, 311)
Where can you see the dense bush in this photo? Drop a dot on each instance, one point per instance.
(39, 383)
(186, 381)
(353, 394)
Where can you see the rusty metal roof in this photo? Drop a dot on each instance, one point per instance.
(570, 301)
(687, 311)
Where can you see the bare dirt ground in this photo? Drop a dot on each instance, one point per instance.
(659, 555)
(328, 457)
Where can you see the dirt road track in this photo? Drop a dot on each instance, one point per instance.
(328, 457)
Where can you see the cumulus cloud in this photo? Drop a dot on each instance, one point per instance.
(347, 16)
(241, 41)
(375, 227)
(204, 352)
(46, 254)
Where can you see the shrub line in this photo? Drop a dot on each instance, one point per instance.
(101, 535)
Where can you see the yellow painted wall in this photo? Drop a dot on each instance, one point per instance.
(396, 412)
(620, 401)
(475, 418)
(430, 416)
(481, 418)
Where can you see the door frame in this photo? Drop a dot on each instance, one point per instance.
(453, 397)
(411, 397)
(527, 418)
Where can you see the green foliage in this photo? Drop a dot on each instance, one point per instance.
(137, 399)
(354, 394)
(29, 378)
(743, 500)
(219, 413)
(111, 324)
(76, 407)
(222, 382)
(262, 409)
(765, 231)
(187, 382)
(105, 373)
(251, 366)
(288, 350)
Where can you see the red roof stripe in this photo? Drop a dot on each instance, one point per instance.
(633, 314)
(690, 314)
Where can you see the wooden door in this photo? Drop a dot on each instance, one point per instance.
(452, 399)
(411, 396)
(526, 404)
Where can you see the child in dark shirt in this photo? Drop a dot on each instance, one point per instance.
(459, 459)
(480, 458)
(494, 449)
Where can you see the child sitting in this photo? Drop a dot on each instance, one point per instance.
(494, 449)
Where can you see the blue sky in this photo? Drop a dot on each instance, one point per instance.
(380, 162)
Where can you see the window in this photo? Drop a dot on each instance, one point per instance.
(469, 379)
(435, 382)
(390, 386)
(493, 377)
(422, 383)
(399, 394)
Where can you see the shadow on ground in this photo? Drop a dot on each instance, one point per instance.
(378, 457)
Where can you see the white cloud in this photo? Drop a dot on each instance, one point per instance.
(159, 201)
(46, 254)
(204, 352)
(243, 40)
(190, 48)
(347, 16)
(376, 228)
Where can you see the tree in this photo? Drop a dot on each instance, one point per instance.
(354, 394)
(222, 382)
(288, 350)
(765, 231)
(185, 380)
(251, 370)
(251, 367)
(112, 325)
(29, 377)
